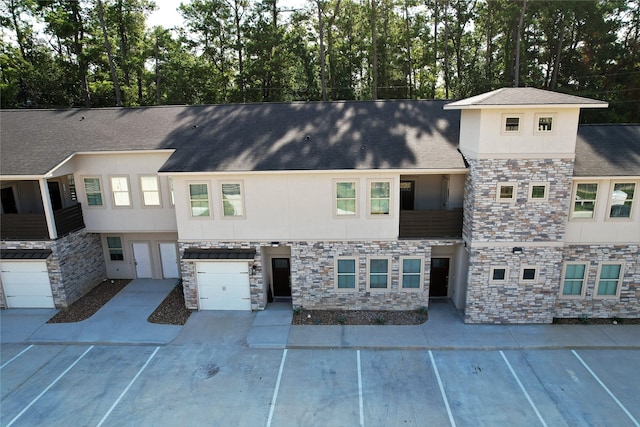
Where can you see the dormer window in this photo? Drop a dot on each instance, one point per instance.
(511, 124)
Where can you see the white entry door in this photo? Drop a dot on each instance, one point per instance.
(26, 284)
(169, 259)
(223, 285)
(142, 259)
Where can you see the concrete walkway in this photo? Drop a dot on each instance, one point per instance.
(123, 320)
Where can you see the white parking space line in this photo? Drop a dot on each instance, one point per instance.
(360, 401)
(275, 391)
(523, 389)
(615, 399)
(444, 395)
(127, 388)
(16, 356)
(48, 387)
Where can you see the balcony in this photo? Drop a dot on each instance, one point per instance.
(431, 224)
(34, 226)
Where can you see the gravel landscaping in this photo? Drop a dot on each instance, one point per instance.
(172, 310)
(90, 303)
(358, 317)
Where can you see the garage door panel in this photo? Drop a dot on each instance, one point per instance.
(222, 267)
(31, 301)
(25, 280)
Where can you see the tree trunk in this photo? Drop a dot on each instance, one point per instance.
(436, 19)
(323, 79)
(236, 17)
(516, 68)
(374, 51)
(83, 65)
(446, 50)
(488, 73)
(107, 47)
(556, 63)
(408, 41)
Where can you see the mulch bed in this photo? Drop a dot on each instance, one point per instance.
(172, 310)
(596, 321)
(358, 317)
(90, 303)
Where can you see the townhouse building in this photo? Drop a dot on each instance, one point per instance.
(501, 203)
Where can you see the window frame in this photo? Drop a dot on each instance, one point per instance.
(536, 123)
(499, 187)
(337, 273)
(143, 191)
(536, 270)
(499, 267)
(113, 192)
(596, 287)
(574, 195)
(86, 194)
(240, 183)
(388, 273)
(109, 248)
(610, 201)
(370, 199)
(189, 200)
(546, 191)
(356, 184)
(585, 278)
(505, 117)
(420, 275)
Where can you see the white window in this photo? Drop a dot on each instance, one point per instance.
(511, 123)
(574, 275)
(498, 274)
(584, 203)
(545, 123)
(150, 190)
(232, 202)
(609, 277)
(538, 191)
(346, 273)
(622, 199)
(93, 190)
(529, 274)
(116, 253)
(120, 191)
(346, 198)
(199, 200)
(378, 273)
(411, 272)
(172, 195)
(379, 198)
(506, 192)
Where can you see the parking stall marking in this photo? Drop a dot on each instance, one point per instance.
(48, 387)
(360, 400)
(16, 356)
(272, 405)
(442, 392)
(515, 376)
(615, 399)
(127, 388)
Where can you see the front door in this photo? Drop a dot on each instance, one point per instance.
(55, 195)
(142, 259)
(169, 260)
(407, 195)
(281, 277)
(439, 286)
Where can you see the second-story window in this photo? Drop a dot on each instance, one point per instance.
(120, 190)
(150, 190)
(346, 198)
(622, 199)
(379, 198)
(585, 200)
(199, 200)
(93, 191)
(232, 204)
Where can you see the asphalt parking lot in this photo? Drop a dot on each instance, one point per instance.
(197, 385)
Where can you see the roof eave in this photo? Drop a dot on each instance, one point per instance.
(454, 106)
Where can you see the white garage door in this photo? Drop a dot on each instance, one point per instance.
(26, 284)
(223, 285)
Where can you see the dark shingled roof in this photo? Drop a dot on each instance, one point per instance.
(241, 137)
(524, 96)
(608, 150)
(219, 254)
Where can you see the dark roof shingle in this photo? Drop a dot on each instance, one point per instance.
(608, 150)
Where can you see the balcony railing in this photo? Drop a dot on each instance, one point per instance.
(431, 224)
(34, 226)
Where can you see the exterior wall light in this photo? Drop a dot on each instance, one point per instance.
(517, 250)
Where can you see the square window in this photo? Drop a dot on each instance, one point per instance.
(609, 276)
(120, 190)
(585, 200)
(379, 273)
(512, 124)
(379, 198)
(506, 192)
(538, 191)
(346, 198)
(346, 273)
(622, 199)
(545, 124)
(529, 274)
(573, 279)
(114, 244)
(93, 190)
(199, 200)
(498, 274)
(150, 190)
(232, 202)
(411, 272)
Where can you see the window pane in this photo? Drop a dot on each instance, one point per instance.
(346, 207)
(378, 281)
(346, 190)
(610, 271)
(92, 185)
(119, 184)
(575, 271)
(498, 274)
(608, 280)
(607, 287)
(346, 266)
(94, 199)
(151, 198)
(149, 183)
(121, 198)
(347, 281)
(411, 265)
(506, 191)
(232, 200)
(411, 281)
(115, 248)
(378, 265)
(380, 190)
(537, 191)
(198, 191)
(585, 200)
(512, 124)
(379, 207)
(621, 200)
(544, 124)
(173, 198)
(572, 287)
(200, 208)
(528, 274)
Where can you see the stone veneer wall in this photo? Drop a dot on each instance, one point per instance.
(492, 228)
(628, 303)
(75, 266)
(313, 275)
(513, 301)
